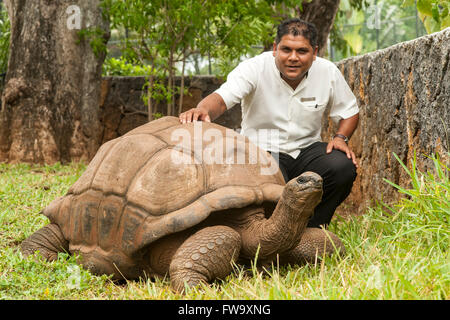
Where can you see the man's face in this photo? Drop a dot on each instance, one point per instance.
(294, 56)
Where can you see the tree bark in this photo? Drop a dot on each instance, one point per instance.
(321, 13)
(50, 103)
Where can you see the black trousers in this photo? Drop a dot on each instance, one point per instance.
(337, 171)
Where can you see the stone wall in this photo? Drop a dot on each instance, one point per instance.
(404, 97)
(122, 107)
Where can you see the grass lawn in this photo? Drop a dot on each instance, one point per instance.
(402, 254)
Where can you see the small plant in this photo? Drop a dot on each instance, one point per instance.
(122, 67)
(157, 115)
(425, 211)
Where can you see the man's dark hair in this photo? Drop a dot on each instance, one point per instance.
(297, 27)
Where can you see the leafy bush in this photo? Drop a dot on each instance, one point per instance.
(121, 67)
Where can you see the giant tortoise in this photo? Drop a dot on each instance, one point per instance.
(183, 200)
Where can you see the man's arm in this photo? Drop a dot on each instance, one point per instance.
(211, 107)
(346, 128)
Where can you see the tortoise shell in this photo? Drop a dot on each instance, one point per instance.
(158, 179)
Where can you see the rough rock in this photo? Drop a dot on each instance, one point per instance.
(404, 96)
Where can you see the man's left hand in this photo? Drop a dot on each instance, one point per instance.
(339, 144)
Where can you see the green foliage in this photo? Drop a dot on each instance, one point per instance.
(121, 67)
(371, 25)
(157, 115)
(433, 13)
(165, 34)
(157, 29)
(425, 209)
(96, 37)
(341, 40)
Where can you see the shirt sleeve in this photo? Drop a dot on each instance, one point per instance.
(343, 102)
(240, 82)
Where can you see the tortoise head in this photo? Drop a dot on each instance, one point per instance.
(283, 230)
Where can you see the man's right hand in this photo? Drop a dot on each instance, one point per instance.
(194, 114)
(211, 107)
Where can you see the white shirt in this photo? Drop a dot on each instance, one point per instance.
(278, 118)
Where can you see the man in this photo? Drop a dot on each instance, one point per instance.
(288, 89)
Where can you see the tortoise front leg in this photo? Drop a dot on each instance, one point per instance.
(48, 240)
(314, 245)
(204, 256)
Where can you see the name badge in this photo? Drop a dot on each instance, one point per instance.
(307, 99)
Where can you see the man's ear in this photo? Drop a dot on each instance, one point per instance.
(316, 50)
(274, 49)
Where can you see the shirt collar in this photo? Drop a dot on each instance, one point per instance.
(299, 86)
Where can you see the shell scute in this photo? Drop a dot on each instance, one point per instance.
(83, 220)
(154, 126)
(110, 213)
(84, 182)
(130, 230)
(169, 181)
(120, 166)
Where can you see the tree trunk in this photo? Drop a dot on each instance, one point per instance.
(321, 13)
(180, 102)
(50, 104)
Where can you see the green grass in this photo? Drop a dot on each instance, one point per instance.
(393, 252)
